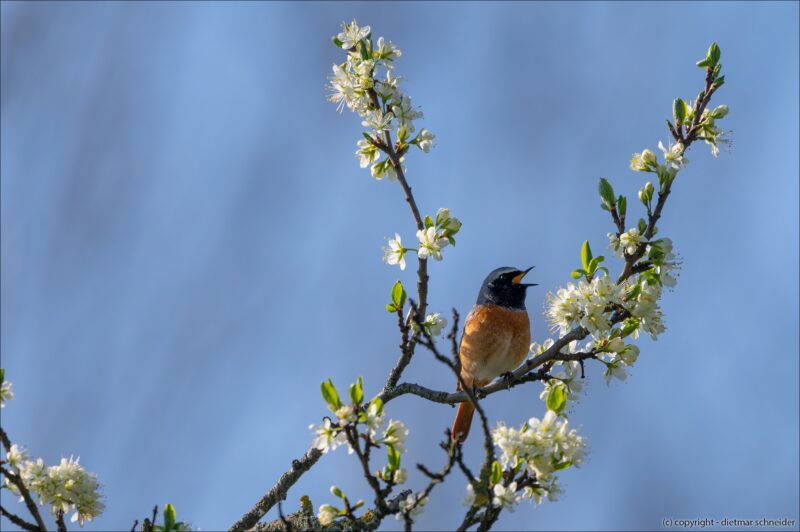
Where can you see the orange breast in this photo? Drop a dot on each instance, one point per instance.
(496, 340)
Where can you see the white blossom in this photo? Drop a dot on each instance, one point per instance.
(506, 497)
(643, 162)
(395, 253)
(373, 419)
(378, 120)
(430, 243)
(352, 34)
(6, 394)
(411, 507)
(434, 324)
(328, 437)
(326, 514)
(469, 499)
(387, 50)
(673, 154)
(395, 435)
(400, 476)
(425, 140)
(367, 153)
(447, 222)
(345, 414)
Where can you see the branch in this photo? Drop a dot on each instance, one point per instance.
(278, 491)
(17, 520)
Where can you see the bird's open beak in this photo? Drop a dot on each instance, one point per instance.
(518, 278)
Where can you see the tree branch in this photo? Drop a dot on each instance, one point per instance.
(278, 491)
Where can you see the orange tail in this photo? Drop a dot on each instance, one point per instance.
(463, 421)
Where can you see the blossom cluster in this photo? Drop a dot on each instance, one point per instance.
(64, 487)
(585, 304)
(6, 394)
(540, 448)
(365, 83)
(438, 233)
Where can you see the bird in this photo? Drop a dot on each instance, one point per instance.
(496, 337)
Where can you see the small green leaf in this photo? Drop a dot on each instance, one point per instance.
(497, 472)
(2, 375)
(378, 402)
(169, 517)
(394, 458)
(713, 54)
(398, 295)
(586, 255)
(622, 206)
(679, 111)
(562, 465)
(391, 308)
(577, 274)
(337, 42)
(557, 397)
(719, 82)
(594, 263)
(330, 395)
(642, 226)
(428, 222)
(606, 192)
(357, 391)
(363, 48)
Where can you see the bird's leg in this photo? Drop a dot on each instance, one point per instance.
(508, 378)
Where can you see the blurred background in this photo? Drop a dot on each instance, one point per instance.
(189, 246)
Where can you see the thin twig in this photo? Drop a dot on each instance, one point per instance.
(17, 520)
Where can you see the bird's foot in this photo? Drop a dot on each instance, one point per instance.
(478, 392)
(508, 378)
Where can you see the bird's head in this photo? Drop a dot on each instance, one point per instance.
(504, 287)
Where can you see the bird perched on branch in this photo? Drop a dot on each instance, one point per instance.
(496, 338)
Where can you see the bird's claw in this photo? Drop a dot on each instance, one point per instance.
(508, 378)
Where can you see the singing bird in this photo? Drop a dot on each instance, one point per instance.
(496, 337)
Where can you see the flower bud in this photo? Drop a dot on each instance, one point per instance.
(720, 111)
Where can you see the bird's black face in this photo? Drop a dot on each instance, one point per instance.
(504, 287)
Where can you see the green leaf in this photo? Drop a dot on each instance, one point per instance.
(577, 274)
(606, 192)
(336, 492)
(169, 517)
(595, 262)
(2, 375)
(357, 391)
(428, 221)
(622, 206)
(719, 82)
(562, 465)
(394, 458)
(363, 48)
(337, 42)
(379, 404)
(679, 111)
(451, 240)
(642, 226)
(628, 326)
(586, 255)
(497, 473)
(557, 397)
(391, 308)
(398, 295)
(713, 54)
(330, 395)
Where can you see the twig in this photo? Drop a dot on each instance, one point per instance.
(287, 526)
(17, 520)
(62, 527)
(278, 491)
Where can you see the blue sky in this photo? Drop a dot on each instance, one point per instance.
(189, 246)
